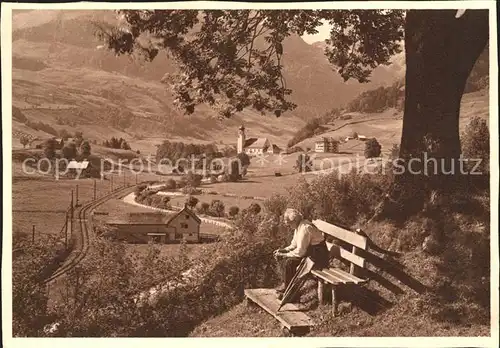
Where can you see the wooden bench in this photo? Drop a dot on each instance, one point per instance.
(344, 247)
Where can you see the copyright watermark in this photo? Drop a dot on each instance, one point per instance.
(425, 165)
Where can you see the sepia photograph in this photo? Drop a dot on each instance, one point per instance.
(255, 170)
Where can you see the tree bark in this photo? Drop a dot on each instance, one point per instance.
(440, 53)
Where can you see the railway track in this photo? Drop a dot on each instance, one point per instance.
(85, 227)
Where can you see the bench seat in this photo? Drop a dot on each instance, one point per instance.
(337, 276)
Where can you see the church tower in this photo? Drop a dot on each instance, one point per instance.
(241, 139)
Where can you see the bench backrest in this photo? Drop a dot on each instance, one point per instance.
(349, 239)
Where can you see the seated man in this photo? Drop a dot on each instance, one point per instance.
(307, 241)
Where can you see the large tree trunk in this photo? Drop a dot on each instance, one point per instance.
(440, 53)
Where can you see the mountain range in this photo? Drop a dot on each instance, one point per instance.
(63, 77)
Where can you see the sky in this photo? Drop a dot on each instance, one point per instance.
(322, 35)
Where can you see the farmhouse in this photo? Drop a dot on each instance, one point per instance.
(326, 145)
(156, 227)
(255, 146)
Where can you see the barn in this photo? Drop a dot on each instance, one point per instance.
(156, 227)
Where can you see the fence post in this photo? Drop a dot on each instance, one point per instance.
(33, 236)
(76, 203)
(354, 269)
(66, 232)
(71, 215)
(94, 190)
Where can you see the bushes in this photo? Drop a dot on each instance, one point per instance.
(158, 201)
(244, 159)
(49, 148)
(341, 199)
(192, 201)
(115, 143)
(42, 127)
(139, 189)
(312, 128)
(203, 208)
(275, 205)
(151, 198)
(193, 180)
(69, 151)
(233, 173)
(303, 163)
(29, 296)
(170, 184)
(394, 154)
(85, 148)
(233, 211)
(216, 208)
(189, 190)
(476, 144)
(24, 140)
(254, 208)
(372, 148)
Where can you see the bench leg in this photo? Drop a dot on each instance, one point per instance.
(320, 291)
(249, 303)
(334, 301)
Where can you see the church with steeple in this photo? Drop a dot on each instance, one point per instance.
(254, 146)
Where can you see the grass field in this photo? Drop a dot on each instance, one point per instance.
(263, 186)
(41, 200)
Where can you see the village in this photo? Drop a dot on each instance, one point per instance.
(180, 190)
(180, 221)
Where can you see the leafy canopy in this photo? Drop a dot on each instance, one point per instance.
(232, 59)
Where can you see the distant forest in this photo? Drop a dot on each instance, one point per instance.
(382, 98)
(379, 99)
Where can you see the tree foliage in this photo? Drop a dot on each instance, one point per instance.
(244, 159)
(379, 99)
(117, 143)
(193, 179)
(372, 148)
(49, 148)
(216, 208)
(192, 201)
(312, 127)
(69, 151)
(476, 142)
(174, 151)
(24, 140)
(233, 211)
(303, 163)
(85, 148)
(233, 60)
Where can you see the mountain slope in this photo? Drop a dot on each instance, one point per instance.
(62, 77)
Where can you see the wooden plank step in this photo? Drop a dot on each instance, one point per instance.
(289, 315)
